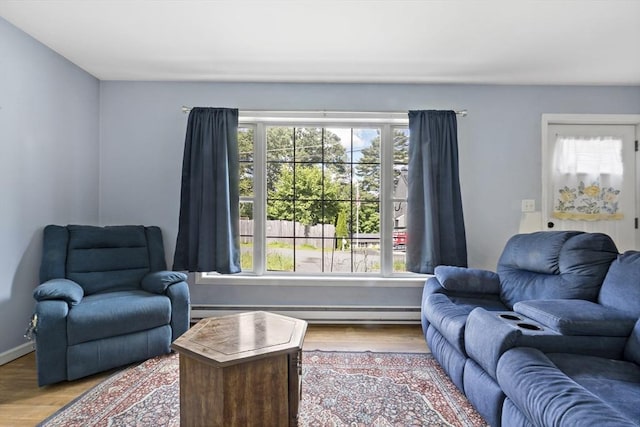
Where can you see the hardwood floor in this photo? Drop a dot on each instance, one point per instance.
(383, 338)
(23, 403)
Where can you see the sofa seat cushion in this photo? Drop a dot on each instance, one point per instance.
(116, 313)
(615, 382)
(578, 317)
(547, 396)
(448, 315)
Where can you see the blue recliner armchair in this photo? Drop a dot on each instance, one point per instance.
(105, 300)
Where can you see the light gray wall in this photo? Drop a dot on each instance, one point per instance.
(49, 155)
(142, 137)
(75, 150)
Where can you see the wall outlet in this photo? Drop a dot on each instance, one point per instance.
(528, 205)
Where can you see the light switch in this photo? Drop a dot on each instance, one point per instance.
(528, 205)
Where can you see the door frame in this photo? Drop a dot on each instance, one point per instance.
(585, 119)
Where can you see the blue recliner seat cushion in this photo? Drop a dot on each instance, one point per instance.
(116, 313)
(448, 315)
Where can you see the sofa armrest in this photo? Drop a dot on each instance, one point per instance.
(509, 329)
(546, 396)
(178, 293)
(467, 280)
(486, 349)
(578, 317)
(59, 289)
(51, 340)
(158, 281)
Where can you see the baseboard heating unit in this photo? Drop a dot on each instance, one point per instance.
(319, 314)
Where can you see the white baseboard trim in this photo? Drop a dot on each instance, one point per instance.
(19, 351)
(319, 314)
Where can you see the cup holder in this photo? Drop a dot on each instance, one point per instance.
(529, 326)
(510, 317)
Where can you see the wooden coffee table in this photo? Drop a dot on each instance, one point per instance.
(241, 370)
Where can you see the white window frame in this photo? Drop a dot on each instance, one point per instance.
(258, 120)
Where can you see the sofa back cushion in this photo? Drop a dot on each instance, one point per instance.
(621, 287)
(554, 265)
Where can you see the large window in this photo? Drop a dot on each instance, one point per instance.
(323, 197)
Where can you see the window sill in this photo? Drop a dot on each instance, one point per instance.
(406, 281)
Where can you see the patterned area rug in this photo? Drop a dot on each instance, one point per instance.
(338, 389)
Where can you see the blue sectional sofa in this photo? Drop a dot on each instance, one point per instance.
(469, 320)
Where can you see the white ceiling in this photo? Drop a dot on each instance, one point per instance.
(438, 41)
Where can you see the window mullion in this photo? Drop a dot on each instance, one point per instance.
(260, 200)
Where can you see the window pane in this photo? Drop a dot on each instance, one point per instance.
(246, 235)
(246, 253)
(279, 254)
(399, 261)
(246, 185)
(400, 162)
(367, 217)
(400, 186)
(366, 145)
(308, 181)
(280, 183)
(308, 145)
(401, 146)
(308, 218)
(338, 147)
(336, 179)
(309, 255)
(246, 213)
(366, 254)
(246, 179)
(279, 144)
(245, 144)
(337, 255)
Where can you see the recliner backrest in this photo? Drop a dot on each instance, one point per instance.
(621, 286)
(102, 258)
(554, 265)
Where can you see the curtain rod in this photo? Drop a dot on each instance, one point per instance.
(461, 113)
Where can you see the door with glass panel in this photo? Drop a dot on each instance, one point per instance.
(590, 181)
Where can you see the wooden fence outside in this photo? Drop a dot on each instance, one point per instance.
(286, 230)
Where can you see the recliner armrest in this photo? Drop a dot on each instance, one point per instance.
(59, 289)
(467, 280)
(158, 281)
(578, 317)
